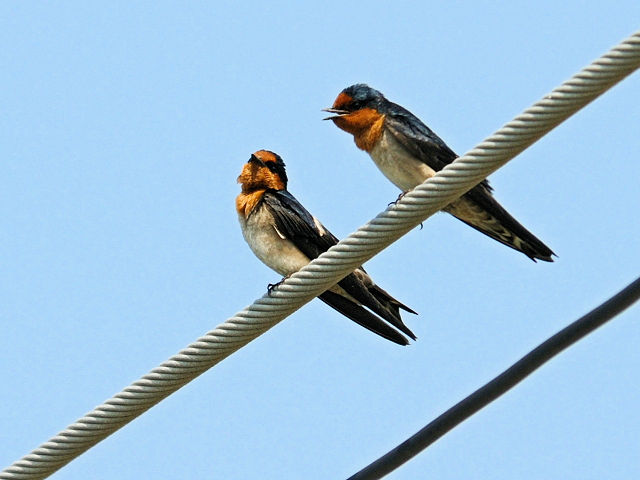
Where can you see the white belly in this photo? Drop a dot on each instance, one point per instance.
(276, 252)
(266, 243)
(398, 165)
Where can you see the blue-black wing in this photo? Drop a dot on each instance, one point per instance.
(294, 222)
(422, 142)
(297, 224)
(426, 146)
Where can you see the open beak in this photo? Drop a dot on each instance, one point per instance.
(339, 113)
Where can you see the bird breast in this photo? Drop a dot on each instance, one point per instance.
(398, 165)
(269, 245)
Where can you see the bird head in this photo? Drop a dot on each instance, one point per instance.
(358, 110)
(355, 98)
(264, 170)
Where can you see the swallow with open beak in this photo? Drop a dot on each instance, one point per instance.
(408, 153)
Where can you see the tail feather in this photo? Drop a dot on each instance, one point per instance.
(361, 287)
(480, 210)
(384, 297)
(362, 317)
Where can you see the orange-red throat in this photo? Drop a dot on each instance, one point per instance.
(366, 124)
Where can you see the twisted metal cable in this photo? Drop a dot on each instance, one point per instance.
(426, 199)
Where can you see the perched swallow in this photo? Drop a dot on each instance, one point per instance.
(286, 237)
(408, 153)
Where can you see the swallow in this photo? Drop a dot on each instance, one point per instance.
(408, 152)
(286, 237)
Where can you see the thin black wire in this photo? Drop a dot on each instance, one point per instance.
(501, 384)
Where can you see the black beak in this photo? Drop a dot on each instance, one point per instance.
(337, 111)
(254, 159)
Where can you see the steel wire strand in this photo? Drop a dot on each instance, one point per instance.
(501, 384)
(333, 265)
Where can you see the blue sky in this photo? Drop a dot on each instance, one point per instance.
(123, 129)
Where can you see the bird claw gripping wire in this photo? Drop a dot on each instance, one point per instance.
(402, 194)
(272, 286)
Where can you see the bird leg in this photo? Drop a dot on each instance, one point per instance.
(402, 194)
(272, 286)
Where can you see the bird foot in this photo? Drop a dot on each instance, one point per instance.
(397, 199)
(400, 198)
(272, 286)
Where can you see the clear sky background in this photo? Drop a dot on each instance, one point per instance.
(123, 129)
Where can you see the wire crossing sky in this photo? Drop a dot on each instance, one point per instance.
(501, 384)
(446, 185)
(125, 130)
